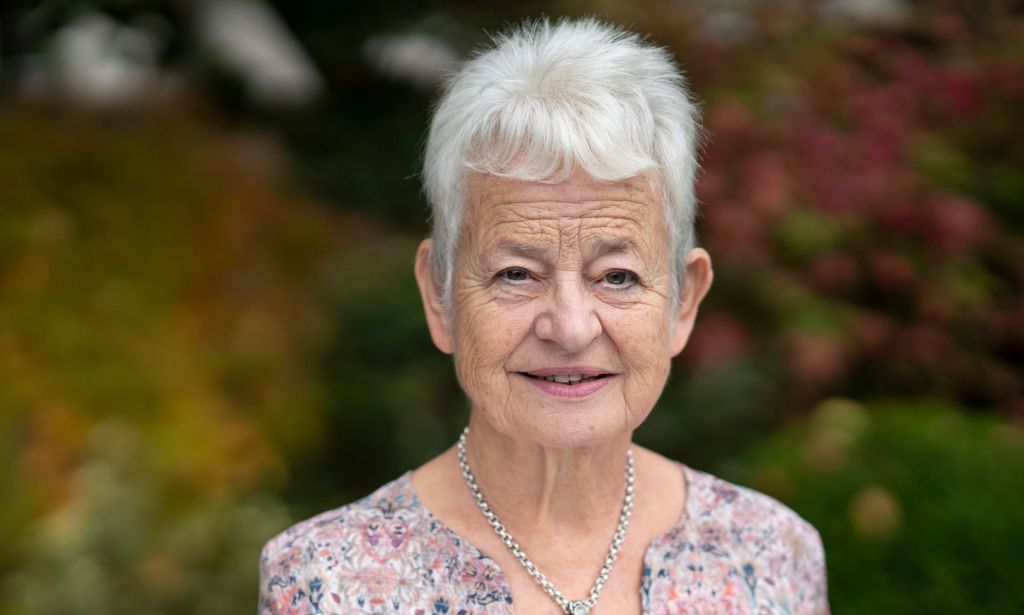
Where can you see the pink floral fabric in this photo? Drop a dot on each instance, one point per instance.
(735, 551)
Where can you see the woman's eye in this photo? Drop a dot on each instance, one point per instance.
(515, 274)
(620, 278)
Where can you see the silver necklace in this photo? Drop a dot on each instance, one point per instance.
(571, 607)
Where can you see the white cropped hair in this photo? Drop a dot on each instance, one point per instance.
(548, 98)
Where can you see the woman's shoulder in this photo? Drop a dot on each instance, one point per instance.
(393, 500)
(713, 498)
(739, 537)
(297, 566)
(720, 512)
(383, 553)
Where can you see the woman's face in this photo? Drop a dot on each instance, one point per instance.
(563, 326)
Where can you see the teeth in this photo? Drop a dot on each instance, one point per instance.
(566, 379)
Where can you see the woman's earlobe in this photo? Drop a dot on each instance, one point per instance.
(434, 307)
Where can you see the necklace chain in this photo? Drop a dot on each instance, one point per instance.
(571, 607)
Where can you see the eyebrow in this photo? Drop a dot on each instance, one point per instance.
(601, 247)
(523, 250)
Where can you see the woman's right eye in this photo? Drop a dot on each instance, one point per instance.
(515, 274)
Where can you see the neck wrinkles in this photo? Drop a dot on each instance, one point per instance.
(540, 490)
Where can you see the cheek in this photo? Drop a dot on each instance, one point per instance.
(642, 339)
(486, 341)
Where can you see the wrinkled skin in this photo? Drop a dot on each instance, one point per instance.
(555, 275)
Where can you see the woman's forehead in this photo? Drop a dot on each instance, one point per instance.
(581, 205)
(489, 190)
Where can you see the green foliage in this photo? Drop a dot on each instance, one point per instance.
(123, 544)
(391, 398)
(920, 505)
(160, 304)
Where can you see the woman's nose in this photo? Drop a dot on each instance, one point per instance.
(569, 318)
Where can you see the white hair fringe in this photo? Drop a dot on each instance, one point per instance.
(546, 99)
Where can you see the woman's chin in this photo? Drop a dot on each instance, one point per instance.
(562, 429)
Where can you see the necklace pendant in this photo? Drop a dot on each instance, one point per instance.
(578, 608)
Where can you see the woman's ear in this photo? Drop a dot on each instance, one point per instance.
(433, 305)
(697, 282)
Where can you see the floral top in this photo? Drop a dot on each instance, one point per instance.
(735, 551)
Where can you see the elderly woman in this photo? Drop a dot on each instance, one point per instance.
(562, 276)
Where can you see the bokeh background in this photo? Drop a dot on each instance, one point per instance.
(209, 327)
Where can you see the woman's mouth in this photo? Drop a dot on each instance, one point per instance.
(568, 384)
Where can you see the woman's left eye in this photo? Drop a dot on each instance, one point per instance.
(620, 278)
(514, 274)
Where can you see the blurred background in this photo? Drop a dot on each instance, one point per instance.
(209, 327)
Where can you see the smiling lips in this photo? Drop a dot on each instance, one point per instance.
(569, 382)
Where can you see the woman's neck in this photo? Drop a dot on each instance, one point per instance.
(542, 490)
